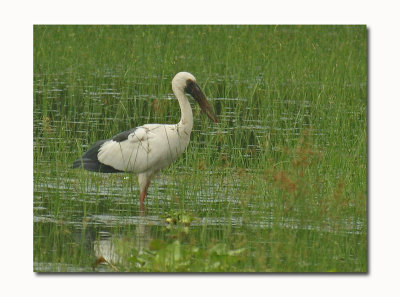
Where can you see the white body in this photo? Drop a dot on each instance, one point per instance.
(149, 147)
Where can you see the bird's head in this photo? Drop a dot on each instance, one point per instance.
(186, 82)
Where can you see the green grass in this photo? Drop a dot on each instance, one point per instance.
(279, 185)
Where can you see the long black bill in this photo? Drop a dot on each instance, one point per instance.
(194, 90)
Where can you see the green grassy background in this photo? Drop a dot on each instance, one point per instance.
(278, 185)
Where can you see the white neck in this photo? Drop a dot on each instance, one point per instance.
(186, 111)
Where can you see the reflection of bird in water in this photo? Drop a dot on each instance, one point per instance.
(147, 149)
(116, 251)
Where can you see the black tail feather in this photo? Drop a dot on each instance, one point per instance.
(89, 160)
(94, 165)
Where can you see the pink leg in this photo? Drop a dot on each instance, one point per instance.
(143, 194)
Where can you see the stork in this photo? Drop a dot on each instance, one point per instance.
(147, 149)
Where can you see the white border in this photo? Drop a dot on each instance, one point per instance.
(16, 145)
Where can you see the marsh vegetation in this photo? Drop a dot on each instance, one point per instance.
(279, 185)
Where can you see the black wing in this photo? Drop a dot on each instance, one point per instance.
(123, 135)
(89, 160)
